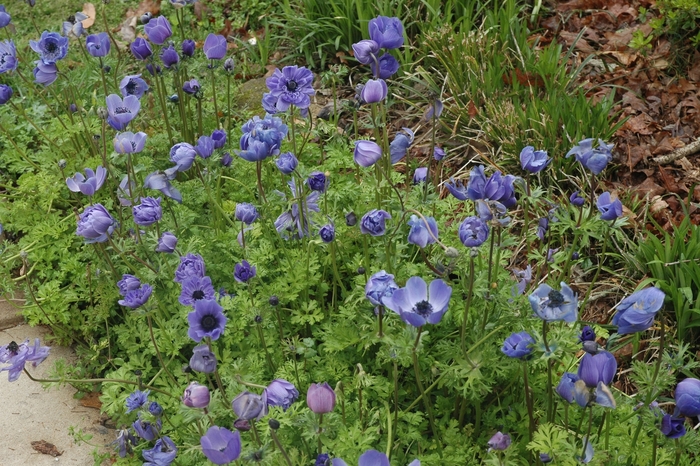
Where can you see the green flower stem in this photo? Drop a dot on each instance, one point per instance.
(550, 389)
(39, 130)
(181, 108)
(528, 402)
(200, 125)
(679, 451)
(158, 355)
(341, 387)
(390, 433)
(255, 433)
(470, 291)
(653, 450)
(320, 429)
(650, 396)
(600, 266)
(261, 191)
(564, 276)
(213, 91)
(121, 381)
(428, 178)
(102, 74)
(396, 393)
(380, 314)
(426, 398)
(109, 33)
(249, 384)
(228, 107)
(160, 90)
(588, 434)
(334, 263)
(264, 345)
(216, 374)
(279, 445)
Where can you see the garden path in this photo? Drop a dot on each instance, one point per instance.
(29, 413)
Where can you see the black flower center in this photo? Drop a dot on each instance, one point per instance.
(423, 309)
(292, 85)
(51, 47)
(131, 87)
(120, 110)
(209, 322)
(133, 145)
(556, 299)
(13, 347)
(198, 294)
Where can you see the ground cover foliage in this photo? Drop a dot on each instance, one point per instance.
(409, 279)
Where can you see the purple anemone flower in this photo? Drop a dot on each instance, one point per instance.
(169, 56)
(141, 49)
(399, 146)
(473, 231)
(290, 221)
(182, 155)
(318, 181)
(219, 138)
(550, 304)
(215, 47)
(17, 356)
(422, 234)
(687, 397)
(220, 445)
(8, 56)
(600, 367)
(133, 85)
(261, 138)
(5, 17)
(207, 320)
(365, 51)
(420, 175)
(367, 153)
(499, 441)
(5, 93)
(249, 406)
(129, 143)
(138, 297)
(191, 87)
(387, 32)
(203, 360)
(434, 110)
(204, 147)
(418, 304)
(187, 47)
(246, 213)
(163, 453)
(609, 209)
(388, 66)
(95, 224)
(136, 400)
(327, 233)
(158, 30)
(280, 393)
(320, 398)
(636, 312)
(45, 74)
(196, 288)
(576, 199)
(567, 386)
(533, 160)
(191, 265)
(75, 26)
(51, 47)
(374, 91)
(593, 159)
(373, 458)
(519, 345)
(148, 212)
(128, 283)
(286, 163)
(167, 243)
(147, 430)
(672, 427)
(160, 181)
(291, 86)
(88, 184)
(243, 272)
(122, 111)
(98, 45)
(380, 286)
(497, 187)
(374, 222)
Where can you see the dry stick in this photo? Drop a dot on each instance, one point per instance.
(684, 151)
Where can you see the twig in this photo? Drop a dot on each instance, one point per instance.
(684, 151)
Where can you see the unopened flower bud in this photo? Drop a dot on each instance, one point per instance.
(62, 164)
(274, 300)
(174, 98)
(228, 65)
(102, 113)
(107, 68)
(146, 17)
(73, 108)
(350, 219)
(451, 252)
(273, 423)
(241, 424)
(23, 255)
(258, 319)
(360, 270)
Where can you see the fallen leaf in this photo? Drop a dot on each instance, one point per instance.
(89, 11)
(91, 400)
(46, 448)
(641, 124)
(472, 110)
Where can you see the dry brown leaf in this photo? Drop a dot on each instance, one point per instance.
(658, 204)
(89, 11)
(46, 448)
(641, 124)
(91, 400)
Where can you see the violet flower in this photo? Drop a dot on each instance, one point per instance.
(519, 345)
(576, 199)
(291, 86)
(374, 222)
(388, 66)
(687, 396)
(51, 47)
(636, 312)
(600, 367)
(88, 184)
(286, 163)
(672, 427)
(420, 175)
(473, 231)
(5, 93)
(374, 91)
(148, 212)
(169, 57)
(566, 386)
(380, 286)
(399, 146)
(367, 153)
(136, 298)
(159, 181)
(122, 111)
(196, 288)
(249, 406)
(207, 320)
(594, 160)
(418, 304)
(365, 51)
(609, 209)
(291, 221)
(129, 143)
(167, 243)
(318, 181)
(215, 47)
(550, 304)
(146, 429)
(17, 356)
(191, 265)
(187, 47)
(191, 87)
(204, 147)
(128, 283)
(534, 161)
(327, 233)
(243, 271)
(220, 445)
(182, 155)
(320, 398)
(158, 30)
(246, 213)
(140, 48)
(163, 453)
(95, 224)
(499, 441)
(280, 393)
(261, 138)
(218, 136)
(8, 56)
(5, 17)
(196, 396)
(422, 234)
(387, 32)
(133, 85)
(45, 74)
(203, 360)
(136, 400)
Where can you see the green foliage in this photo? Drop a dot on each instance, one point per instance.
(673, 264)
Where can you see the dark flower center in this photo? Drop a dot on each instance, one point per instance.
(13, 347)
(556, 299)
(131, 87)
(292, 85)
(133, 145)
(120, 110)
(198, 294)
(209, 322)
(51, 47)
(423, 309)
